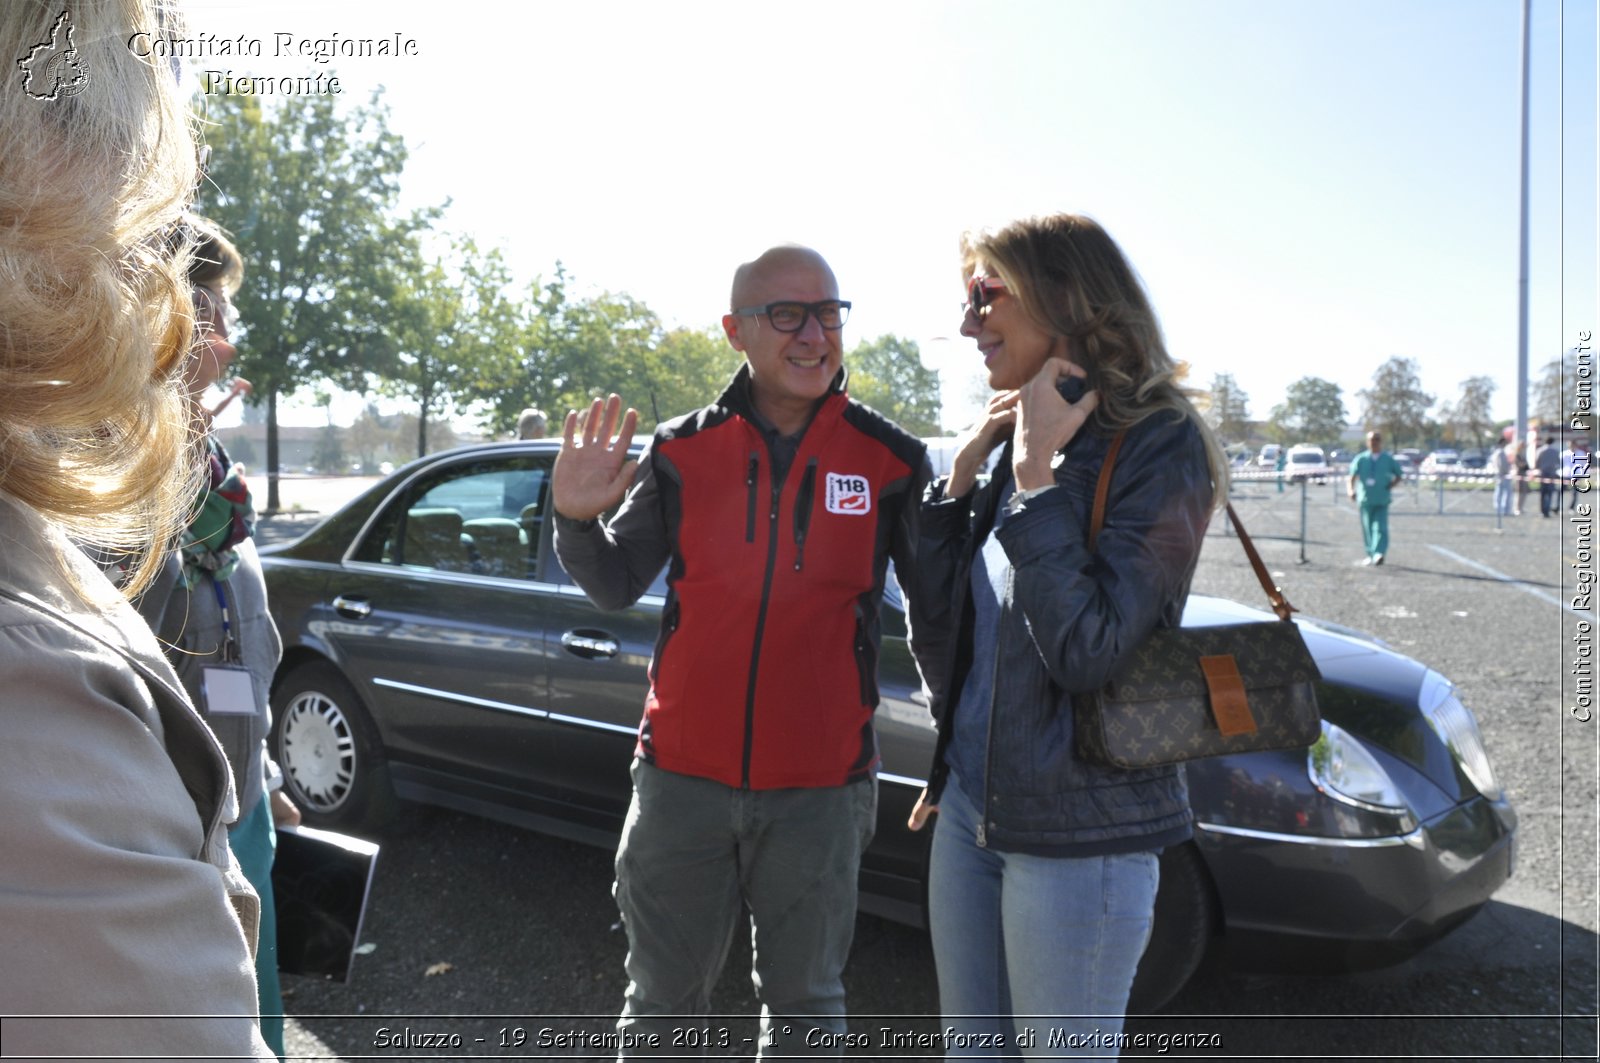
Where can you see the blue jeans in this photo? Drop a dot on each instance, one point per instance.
(1375, 529)
(1502, 496)
(692, 849)
(1040, 943)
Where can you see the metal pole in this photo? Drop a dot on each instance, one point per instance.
(1303, 488)
(1522, 265)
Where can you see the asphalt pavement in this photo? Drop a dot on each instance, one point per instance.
(477, 930)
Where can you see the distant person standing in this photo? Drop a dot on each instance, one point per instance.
(1503, 467)
(1547, 462)
(531, 424)
(1519, 469)
(1373, 474)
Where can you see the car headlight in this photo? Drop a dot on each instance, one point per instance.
(1457, 728)
(1341, 767)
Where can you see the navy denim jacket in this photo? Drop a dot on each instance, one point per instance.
(1068, 617)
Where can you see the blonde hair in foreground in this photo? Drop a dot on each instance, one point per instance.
(1073, 280)
(95, 316)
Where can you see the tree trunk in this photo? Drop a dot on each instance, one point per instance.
(272, 453)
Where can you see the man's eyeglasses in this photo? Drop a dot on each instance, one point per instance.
(980, 295)
(831, 314)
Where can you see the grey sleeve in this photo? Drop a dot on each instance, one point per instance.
(615, 561)
(108, 906)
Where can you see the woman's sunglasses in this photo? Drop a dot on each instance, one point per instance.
(980, 294)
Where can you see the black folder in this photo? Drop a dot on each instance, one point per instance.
(320, 882)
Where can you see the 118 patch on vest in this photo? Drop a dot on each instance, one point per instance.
(849, 494)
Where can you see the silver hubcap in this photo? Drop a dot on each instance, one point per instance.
(319, 750)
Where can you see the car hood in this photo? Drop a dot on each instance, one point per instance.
(1343, 654)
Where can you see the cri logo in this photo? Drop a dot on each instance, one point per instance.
(53, 68)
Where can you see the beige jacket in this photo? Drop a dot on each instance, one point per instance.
(125, 926)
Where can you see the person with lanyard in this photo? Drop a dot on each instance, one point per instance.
(208, 606)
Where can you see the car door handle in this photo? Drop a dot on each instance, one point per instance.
(590, 644)
(352, 608)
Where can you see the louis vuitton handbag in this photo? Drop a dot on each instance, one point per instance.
(1206, 691)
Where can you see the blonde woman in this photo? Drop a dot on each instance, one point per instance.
(127, 928)
(1044, 866)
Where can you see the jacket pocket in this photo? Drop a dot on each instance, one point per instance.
(669, 625)
(804, 501)
(752, 480)
(866, 661)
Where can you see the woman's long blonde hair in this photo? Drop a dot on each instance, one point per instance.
(1072, 280)
(95, 315)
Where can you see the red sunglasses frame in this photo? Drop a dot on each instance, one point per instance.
(980, 293)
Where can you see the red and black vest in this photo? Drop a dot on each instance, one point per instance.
(765, 671)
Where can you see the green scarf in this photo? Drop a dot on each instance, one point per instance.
(222, 517)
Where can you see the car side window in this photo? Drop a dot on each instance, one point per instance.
(558, 574)
(480, 517)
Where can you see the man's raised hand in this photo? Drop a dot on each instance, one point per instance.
(592, 471)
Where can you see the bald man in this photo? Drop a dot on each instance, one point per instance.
(776, 510)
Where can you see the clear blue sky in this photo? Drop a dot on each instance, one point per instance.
(1308, 188)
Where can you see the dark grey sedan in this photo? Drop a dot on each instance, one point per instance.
(435, 651)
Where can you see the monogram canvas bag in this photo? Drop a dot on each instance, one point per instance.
(1206, 691)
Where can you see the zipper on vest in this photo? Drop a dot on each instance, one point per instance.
(803, 503)
(761, 614)
(750, 479)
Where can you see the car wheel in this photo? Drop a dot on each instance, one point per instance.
(1185, 924)
(333, 764)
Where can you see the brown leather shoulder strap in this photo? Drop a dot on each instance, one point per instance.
(1097, 519)
(1280, 604)
(1102, 487)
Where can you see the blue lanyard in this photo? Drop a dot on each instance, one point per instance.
(227, 649)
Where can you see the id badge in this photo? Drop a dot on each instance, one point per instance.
(229, 690)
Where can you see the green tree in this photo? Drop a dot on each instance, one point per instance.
(689, 368)
(409, 429)
(1229, 408)
(604, 344)
(1469, 420)
(328, 454)
(448, 322)
(1312, 411)
(1395, 404)
(370, 435)
(887, 374)
(1555, 394)
(554, 352)
(309, 192)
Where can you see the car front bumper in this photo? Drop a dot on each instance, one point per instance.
(1357, 902)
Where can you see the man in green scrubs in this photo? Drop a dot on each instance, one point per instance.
(1372, 475)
